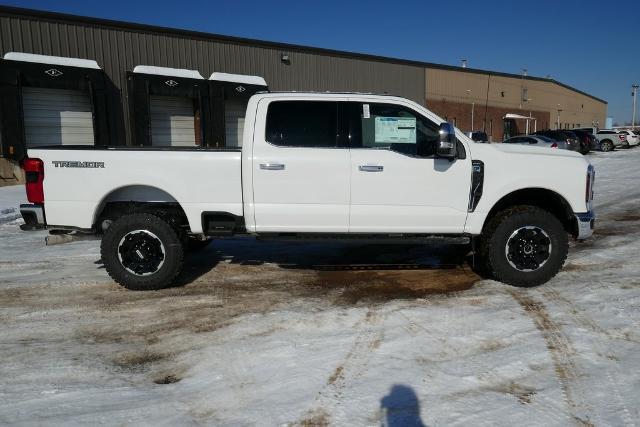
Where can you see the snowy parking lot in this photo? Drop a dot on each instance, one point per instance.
(272, 333)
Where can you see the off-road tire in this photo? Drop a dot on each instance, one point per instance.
(173, 252)
(495, 237)
(607, 145)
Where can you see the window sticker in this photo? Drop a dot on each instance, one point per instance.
(395, 130)
(365, 111)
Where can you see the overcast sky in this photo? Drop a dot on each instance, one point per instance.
(591, 45)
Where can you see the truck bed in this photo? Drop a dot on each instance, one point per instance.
(78, 181)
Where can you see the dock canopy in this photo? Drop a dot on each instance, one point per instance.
(513, 116)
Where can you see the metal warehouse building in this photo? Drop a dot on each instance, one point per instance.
(114, 92)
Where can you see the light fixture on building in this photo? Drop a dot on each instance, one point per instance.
(284, 58)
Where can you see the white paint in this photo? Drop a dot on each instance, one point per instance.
(318, 187)
(53, 60)
(169, 72)
(193, 178)
(238, 78)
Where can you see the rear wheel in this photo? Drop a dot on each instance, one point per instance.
(142, 252)
(523, 246)
(606, 145)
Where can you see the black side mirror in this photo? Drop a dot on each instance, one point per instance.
(447, 144)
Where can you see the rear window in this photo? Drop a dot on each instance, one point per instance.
(302, 123)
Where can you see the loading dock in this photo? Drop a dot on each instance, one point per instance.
(48, 100)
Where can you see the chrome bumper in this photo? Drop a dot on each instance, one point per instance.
(586, 222)
(33, 216)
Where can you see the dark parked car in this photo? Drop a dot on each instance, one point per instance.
(478, 136)
(586, 140)
(567, 136)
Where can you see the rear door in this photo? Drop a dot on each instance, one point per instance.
(300, 168)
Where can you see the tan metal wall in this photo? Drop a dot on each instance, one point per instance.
(506, 92)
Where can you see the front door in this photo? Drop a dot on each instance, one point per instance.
(397, 183)
(300, 171)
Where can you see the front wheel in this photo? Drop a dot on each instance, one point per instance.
(523, 246)
(606, 146)
(142, 252)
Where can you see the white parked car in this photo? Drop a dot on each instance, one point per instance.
(632, 138)
(610, 139)
(537, 141)
(319, 165)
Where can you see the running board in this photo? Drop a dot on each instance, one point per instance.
(395, 238)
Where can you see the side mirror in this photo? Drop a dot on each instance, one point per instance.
(447, 144)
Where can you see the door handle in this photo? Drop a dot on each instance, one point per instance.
(272, 166)
(370, 168)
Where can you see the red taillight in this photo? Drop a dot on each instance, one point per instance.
(554, 145)
(622, 137)
(34, 173)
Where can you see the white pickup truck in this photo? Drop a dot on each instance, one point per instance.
(319, 165)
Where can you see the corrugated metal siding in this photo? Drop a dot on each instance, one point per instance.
(119, 49)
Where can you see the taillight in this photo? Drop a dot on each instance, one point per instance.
(622, 137)
(34, 174)
(554, 145)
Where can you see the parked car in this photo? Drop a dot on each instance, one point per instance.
(569, 137)
(478, 136)
(632, 138)
(610, 139)
(537, 140)
(400, 174)
(588, 142)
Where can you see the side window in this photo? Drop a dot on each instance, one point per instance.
(396, 128)
(302, 123)
(531, 141)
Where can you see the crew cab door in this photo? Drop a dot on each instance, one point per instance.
(300, 171)
(397, 183)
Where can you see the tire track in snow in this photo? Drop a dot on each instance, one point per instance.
(561, 351)
(354, 364)
(583, 320)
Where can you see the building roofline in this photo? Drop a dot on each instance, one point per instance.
(57, 16)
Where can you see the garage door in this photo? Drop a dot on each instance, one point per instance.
(234, 111)
(172, 121)
(57, 117)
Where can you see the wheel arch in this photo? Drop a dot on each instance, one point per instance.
(137, 198)
(544, 198)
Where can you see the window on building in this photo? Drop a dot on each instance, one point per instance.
(302, 123)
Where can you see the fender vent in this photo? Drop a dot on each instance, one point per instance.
(477, 182)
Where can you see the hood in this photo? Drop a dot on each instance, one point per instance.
(532, 150)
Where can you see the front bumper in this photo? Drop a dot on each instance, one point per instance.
(586, 222)
(33, 216)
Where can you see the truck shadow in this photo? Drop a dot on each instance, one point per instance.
(365, 269)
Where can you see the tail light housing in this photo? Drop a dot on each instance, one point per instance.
(622, 137)
(34, 173)
(554, 145)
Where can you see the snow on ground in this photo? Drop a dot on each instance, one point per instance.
(291, 334)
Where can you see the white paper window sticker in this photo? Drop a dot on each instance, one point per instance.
(395, 130)
(365, 111)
